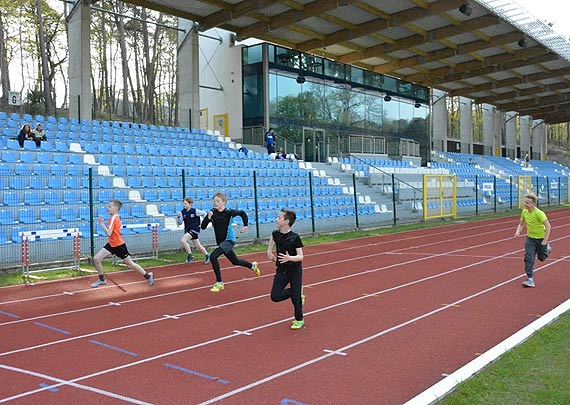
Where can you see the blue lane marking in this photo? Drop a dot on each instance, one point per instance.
(51, 389)
(287, 401)
(118, 349)
(207, 377)
(9, 314)
(43, 325)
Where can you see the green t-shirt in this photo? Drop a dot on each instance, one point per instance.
(534, 222)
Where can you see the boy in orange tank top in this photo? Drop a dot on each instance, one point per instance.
(116, 246)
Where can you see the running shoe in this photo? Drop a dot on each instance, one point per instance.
(528, 284)
(255, 269)
(207, 261)
(98, 283)
(189, 258)
(150, 279)
(217, 287)
(297, 325)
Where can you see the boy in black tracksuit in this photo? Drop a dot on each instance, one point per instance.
(289, 249)
(221, 219)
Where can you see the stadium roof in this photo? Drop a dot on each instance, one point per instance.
(491, 51)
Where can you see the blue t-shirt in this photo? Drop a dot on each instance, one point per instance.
(191, 220)
(269, 139)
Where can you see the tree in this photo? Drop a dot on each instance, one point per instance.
(4, 72)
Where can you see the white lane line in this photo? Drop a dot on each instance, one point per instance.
(265, 295)
(355, 344)
(204, 287)
(64, 382)
(319, 253)
(288, 371)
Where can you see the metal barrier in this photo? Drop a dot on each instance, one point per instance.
(154, 237)
(34, 236)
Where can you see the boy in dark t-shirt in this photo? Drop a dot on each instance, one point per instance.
(221, 219)
(289, 249)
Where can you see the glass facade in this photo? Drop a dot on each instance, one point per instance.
(341, 101)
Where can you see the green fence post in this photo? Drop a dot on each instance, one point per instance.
(183, 183)
(91, 214)
(312, 204)
(355, 200)
(256, 207)
(394, 197)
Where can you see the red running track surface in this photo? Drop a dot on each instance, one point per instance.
(386, 317)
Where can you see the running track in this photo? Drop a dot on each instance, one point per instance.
(386, 318)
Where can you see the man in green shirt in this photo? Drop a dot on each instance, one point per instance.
(538, 232)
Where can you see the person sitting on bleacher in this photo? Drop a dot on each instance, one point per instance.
(39, 135)
(25, 134)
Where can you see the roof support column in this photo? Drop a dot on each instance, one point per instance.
(511, 134)
(525, 135)
(439, 120)
(488, 130)
(466, 125)
(539, 140)
(188, 74)
(499, 121)
(80, 97)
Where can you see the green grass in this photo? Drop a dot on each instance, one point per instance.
(536, 372)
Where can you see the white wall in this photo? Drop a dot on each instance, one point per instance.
(220, 67)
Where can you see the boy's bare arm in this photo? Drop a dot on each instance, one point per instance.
(547, 228)
(270, 254)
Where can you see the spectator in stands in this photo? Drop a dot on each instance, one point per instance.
(39, 135)
(190, 217)
(221, 219)
(289, 250)
(281, 155)
(25, 134)
(270, 141)
(538, 231)
(116, 246)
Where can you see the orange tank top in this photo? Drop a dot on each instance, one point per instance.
(114, 225)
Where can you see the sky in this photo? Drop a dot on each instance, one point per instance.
(555, 11)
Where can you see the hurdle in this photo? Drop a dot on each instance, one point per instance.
(154, 237)
(34, 236)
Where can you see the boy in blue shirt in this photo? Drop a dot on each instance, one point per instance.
(190, 217)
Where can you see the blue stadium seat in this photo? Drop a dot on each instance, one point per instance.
(150, 195)
(49, 215)
(68, 214)
(11, 199)
(137, 211)
(9, 156)
(55, 183)
(84, 213)
(167, 209)
(27, 157)
(17, 183)
(7, 217)
(3, 239)
(103, 196)
(16, 238)
(71, 197)
(27, 216)
(32, 198)
(22, 169)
